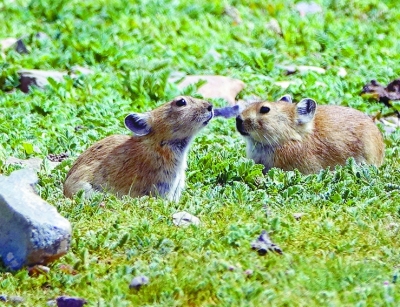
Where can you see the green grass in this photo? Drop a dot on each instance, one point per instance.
(345, 249)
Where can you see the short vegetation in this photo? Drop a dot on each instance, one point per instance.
(343, 251)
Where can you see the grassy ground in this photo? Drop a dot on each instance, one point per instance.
(345, 249)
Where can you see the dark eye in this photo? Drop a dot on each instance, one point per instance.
(264, 110)
(181, 102)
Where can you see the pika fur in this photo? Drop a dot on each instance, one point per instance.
(306, 137)
(151, 162)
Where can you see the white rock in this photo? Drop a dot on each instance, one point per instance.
(185, 219)
(305, 68)
(342, 72)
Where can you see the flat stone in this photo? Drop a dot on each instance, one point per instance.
(15, 43)
(185, 219)
(305, 8)
(33, 163)
(292, 69)
(39, 78)
(306, 68)
(31, 230)
(68, 301)
(298, 215)
(16, 300)
(214, 87)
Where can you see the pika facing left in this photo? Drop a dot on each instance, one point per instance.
(151, 162)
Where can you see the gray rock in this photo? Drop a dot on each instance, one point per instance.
(39, 78)
(31, 231)
(29, 77)
(16, 300)
(66, 301)
(138, 282)
(263, 244)
(35, 163)
(15, 43)
(305, 8)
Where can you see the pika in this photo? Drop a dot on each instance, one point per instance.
(303, 136)
(151, 162)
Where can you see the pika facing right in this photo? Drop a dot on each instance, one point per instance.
(306, 137)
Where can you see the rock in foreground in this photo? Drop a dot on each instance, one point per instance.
(31, 230)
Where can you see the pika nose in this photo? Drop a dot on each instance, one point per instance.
(210, 107)
(239, 126)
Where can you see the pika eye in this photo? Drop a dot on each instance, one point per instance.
(264, 110)
(181, 102)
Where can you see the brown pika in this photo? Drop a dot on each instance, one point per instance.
(151, 162)
(306, 137)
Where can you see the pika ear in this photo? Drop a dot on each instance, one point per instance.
(286, 98)
(138, 123)
(306, 110)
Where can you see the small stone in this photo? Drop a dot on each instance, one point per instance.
(289, 69)
(31, 163)
(20, 47)
(39, 78)
(31, 230)
(273, 25)
(185, 219)
(233, 13)
(285, 84)
(306, 68)
(42, 36)
(67, 301)
(248, 272)
(263, 244)
(138, 282)
(342, 72)
(15, 43)
(305, 8)
(16, 300)
(298, 215)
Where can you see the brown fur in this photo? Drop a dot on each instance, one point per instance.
(151, 164)
(334, 134)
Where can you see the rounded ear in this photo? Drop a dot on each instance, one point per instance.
(137, 123)
(286, 98)
(306, 110)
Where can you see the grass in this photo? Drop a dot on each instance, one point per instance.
(344, 251)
